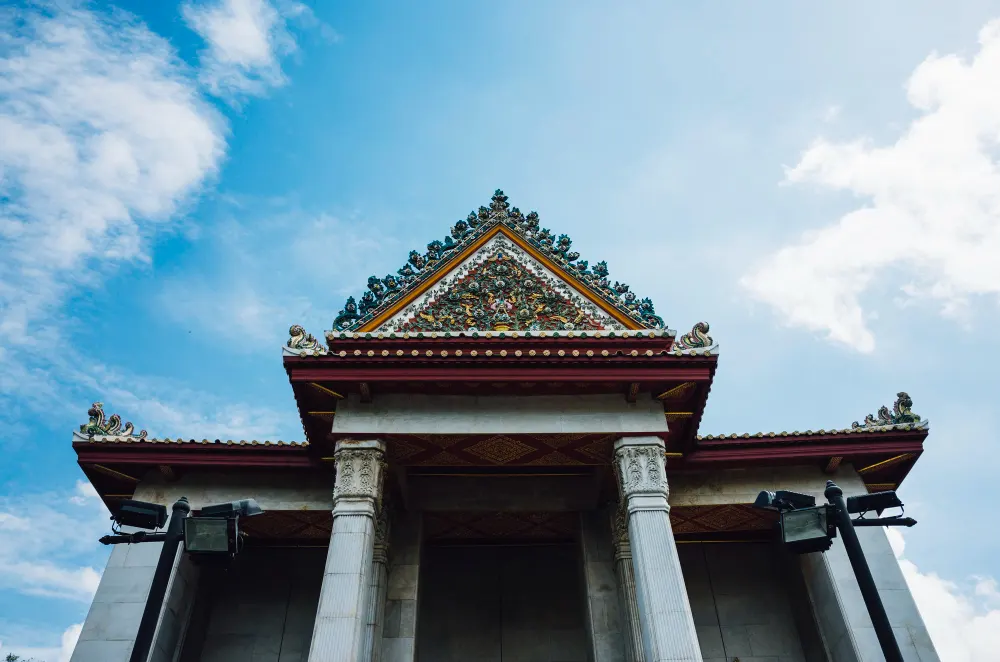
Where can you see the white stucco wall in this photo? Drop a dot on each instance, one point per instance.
(843, 619)
(113, 620)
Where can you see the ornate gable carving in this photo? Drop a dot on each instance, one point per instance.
(501, 288)
(385, 294)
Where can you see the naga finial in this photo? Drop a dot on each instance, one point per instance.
(901, 414)
(302, 341)
(697, 338)
(99, 425)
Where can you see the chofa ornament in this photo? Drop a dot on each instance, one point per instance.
(99, 425)
(420, 266)
(901, 414)
(697, 338)
(302, 341)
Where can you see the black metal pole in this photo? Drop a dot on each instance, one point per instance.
(158, 589)
(890, 648)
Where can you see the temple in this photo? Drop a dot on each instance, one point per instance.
(501, 462)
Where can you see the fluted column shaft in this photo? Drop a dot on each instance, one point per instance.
(342, 613)
(667, 624)
(372, 647)
(626, 587)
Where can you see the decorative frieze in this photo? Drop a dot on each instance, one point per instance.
(440, 256)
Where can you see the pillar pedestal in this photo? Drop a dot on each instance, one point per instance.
(340, 630)
(667, 624)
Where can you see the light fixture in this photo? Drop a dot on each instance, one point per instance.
(808, 529)
(877, 501)
(783, 500)
(215, 529)
(210, 535)
(140, 514)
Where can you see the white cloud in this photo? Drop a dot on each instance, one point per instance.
(41, 538)
(245, 40)
(105, 134)
(964, 624)
(61, 653)
(931, 207)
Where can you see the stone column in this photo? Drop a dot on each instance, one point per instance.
(668, 631)
(603, 621)
(399, 632)
(376, 604)
(342, 613)
(626, 585)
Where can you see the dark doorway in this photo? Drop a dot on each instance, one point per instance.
(492, 603)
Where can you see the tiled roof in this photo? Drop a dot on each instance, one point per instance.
(696, 343)
(135, 439)
(899, 418)
(922, 425)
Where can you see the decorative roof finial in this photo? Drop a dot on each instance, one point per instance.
(901, 414)
(98, 425)
(303, 342)
(697, 338)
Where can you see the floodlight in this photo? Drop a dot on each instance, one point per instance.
(241, 508)
(141, 515)
(807, 530)
(877, 501)
(210, 535)
(783, 500)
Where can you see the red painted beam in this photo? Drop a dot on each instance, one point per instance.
(190, 455)
(480, 373)
(815, 451)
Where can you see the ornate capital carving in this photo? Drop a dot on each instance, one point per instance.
(640, 467)
(380, 552)
(619, 532)
(360, 468)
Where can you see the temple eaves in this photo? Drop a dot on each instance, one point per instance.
(523, 296)
(900, 418)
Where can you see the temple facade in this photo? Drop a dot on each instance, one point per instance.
(501, 462)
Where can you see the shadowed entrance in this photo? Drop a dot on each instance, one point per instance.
(494, 603)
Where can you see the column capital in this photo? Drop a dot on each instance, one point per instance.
(381, 551)
(360, 468)
(619, 532)
(642, 473)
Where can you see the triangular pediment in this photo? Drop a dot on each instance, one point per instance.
(501, 287)
(497, 270)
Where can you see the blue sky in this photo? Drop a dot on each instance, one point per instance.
(181, 182)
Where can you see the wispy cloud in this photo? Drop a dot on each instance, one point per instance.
(58, 653)
(931, 210)
(37, 556)
(105, 135)
(245, 41)
(313, 261)
(963, 623)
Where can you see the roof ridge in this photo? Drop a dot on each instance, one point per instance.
(440, 255)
